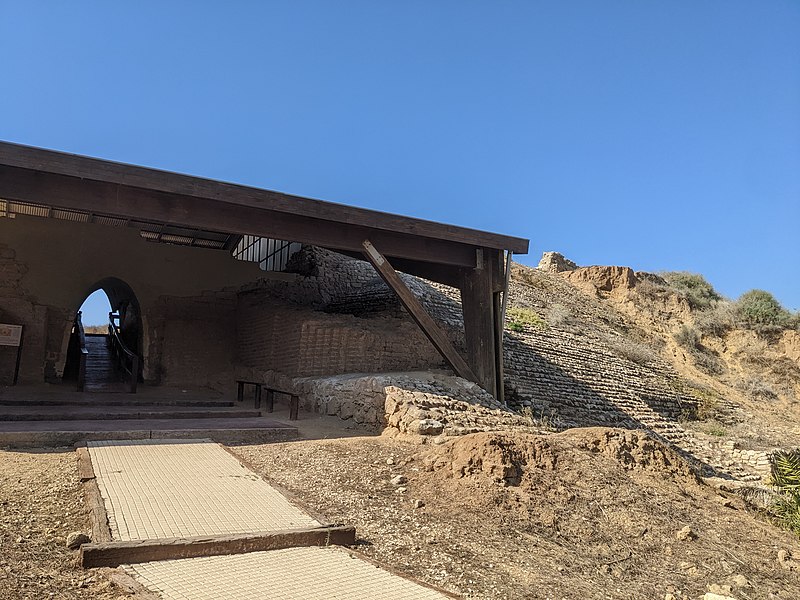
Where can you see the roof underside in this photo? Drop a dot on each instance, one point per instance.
(203, 212)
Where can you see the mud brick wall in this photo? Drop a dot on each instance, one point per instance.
(48, 267)
(300, 341)
(18, 307)
(195, 339)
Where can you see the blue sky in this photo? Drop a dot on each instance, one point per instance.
(659, 135)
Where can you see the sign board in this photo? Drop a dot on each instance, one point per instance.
(10, 335)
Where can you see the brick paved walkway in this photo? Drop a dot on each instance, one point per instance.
(181, 488)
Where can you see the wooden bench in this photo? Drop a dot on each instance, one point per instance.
(294, 399)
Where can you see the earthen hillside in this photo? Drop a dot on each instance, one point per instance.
(593, 346)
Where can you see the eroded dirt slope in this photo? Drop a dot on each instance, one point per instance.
(588, 513)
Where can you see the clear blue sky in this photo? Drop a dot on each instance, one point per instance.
(659, 135)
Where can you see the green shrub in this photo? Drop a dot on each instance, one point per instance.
(785, 475)
(518, 318)
(693, 287)
(760, 310)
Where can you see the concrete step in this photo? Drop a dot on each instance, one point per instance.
(115, 400)
(94, 413)
(48, 434)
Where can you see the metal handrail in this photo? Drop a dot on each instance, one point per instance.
(84, 353)
(126, 360)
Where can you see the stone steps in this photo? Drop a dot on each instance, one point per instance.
(37, 434)
(94, 413)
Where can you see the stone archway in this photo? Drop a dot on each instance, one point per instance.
(125, 304)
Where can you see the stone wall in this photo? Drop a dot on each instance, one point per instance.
(421, 403)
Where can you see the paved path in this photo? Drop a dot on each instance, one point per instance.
(290, 574)
(181, 488)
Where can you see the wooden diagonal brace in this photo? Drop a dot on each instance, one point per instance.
(421, 317)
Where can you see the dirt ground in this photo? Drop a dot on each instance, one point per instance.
(588, 513)
(41, 502)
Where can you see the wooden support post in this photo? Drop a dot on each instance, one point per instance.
(414, 307)
(479, 320)
(498, 348)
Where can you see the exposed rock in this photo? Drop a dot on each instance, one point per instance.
(399, 480)
(76, 539)
(741, 581)
(429, 427)
(686, 534)
(554, 262)
(602, 279)
(785, 560)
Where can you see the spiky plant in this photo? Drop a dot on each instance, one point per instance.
(785, 472)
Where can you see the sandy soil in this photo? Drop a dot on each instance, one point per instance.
(588, 513)
(41, 502)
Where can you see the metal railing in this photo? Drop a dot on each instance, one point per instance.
(270, 254)
(83, 352)
(124, 359)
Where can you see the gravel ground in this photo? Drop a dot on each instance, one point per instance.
(41, 502)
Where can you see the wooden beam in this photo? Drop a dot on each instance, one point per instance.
(113, 554)
(479, 320)
(230, 195)
(414, 307)
(202, 213)
(499, 368)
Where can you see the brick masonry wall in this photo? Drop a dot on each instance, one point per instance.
(299, 341)
(195, 339)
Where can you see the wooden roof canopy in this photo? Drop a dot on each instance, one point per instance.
(76, 182)
(78, 187)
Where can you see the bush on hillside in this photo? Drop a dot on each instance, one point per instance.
(759, 310)
(557, 315)
(699, 293)
(785, 475)
(716, 320)
(637, 353)
(518, 318)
